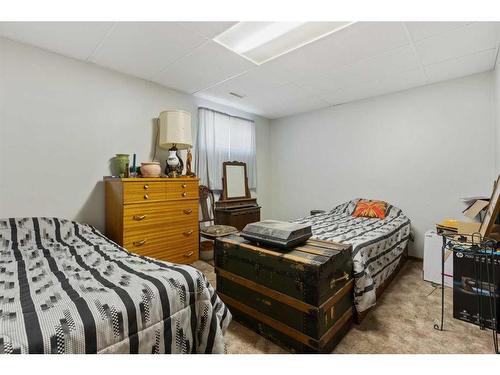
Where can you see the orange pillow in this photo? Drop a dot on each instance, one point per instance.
(373, 209)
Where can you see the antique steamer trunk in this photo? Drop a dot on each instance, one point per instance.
(300, 298)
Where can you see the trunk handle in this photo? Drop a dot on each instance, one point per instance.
(333, 282)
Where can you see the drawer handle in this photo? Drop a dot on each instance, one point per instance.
(139, 217)
(188, 255)
(188, 211)
(139, 243)
(146, 196)
(345, 277)
(184, 194)
(188, 232)
(184, 186)
(146, 187)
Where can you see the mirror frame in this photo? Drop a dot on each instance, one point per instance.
(224, 180)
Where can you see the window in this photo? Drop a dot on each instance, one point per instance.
(221, 138)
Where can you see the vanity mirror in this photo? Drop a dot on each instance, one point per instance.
(236, 207)
(235, 180)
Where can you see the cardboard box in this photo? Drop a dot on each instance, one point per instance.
(456, 226)
(471, 228)
(464, 227)
(474, 288)
(476, 208)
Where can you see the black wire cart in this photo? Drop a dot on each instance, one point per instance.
(485, 255)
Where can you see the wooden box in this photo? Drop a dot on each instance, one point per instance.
(236, 216)
(301, 299)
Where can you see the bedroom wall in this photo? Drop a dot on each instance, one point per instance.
(420, 149)
(62, 120)
(496, 97)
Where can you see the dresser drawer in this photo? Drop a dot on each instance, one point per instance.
(188, 257)
(182, 190)
(158, 249)
(134, 192)
(187, 253)
(171, 239)
(143, 216)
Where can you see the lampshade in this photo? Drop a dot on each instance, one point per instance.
(175, 129)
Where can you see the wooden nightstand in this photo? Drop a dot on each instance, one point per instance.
(155, 217)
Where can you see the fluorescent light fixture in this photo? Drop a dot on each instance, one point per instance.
(263, 41)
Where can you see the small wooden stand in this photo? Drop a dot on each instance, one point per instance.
(236, 211)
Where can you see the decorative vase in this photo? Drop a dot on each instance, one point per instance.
(122, 163)
(150, 169)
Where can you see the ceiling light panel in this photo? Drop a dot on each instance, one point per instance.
(263, 41)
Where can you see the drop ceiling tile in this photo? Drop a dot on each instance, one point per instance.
(301, 105)
(73, 39)
(402, 81)
(345, 47)
(221, 90)
(283, 94)
(478, 36)
(397, 82)
(463, 66)
(208, 29)
(254, 81)
(144, 48)
(231, 102)
(357, 92)
(375, 38)
(261, 78)
(397, 60)
(204, 67)
(287, 97)
(422, 30)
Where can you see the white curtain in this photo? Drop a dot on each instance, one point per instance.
(221, 138)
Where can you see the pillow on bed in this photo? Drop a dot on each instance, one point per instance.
(368, 208)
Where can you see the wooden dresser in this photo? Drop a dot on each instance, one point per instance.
(155, 217)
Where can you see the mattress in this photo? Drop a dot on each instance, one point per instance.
(378, 245)
(66, 288)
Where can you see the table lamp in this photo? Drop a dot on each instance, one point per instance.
(175, 134)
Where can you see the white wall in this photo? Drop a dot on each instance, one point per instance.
(62, 120)
(420, 149)
(496, 104)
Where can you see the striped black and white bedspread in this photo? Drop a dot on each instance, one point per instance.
(65, 288)
(377, 245)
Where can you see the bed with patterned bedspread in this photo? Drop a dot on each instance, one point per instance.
(377, 244)
(66, 288)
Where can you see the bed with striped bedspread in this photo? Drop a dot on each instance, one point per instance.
(66, 288)
(377, 244)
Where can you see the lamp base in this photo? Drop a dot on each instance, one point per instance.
(174, 164)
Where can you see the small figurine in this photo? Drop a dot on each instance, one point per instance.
(189, 160)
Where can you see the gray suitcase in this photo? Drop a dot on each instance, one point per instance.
(277, 233)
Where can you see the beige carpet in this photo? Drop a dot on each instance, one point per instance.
(402, 322)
